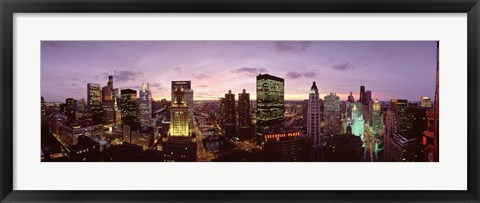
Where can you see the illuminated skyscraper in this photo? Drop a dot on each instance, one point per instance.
(108, 106)
(332, 115)
(94, 103)
(116, 106)
(230, 115)
(145, 106)
(425, 102)
(358, 122)
(179, 145)
(377, 120)
(179, 116)
(313, 116)
(188, 92)
(129, 108)
(244, 120)
(270, 104)
(400, 105)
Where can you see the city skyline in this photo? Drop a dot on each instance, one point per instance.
(337, 66)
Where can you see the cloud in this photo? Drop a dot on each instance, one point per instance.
(202, 86)
(133, 87)
(157, 85)
(343, 66)
(121, 76)
(178, 69)
(291, 47)
(202, 76)
(309, 74)
(53, 44)
(293, 75)
(249, 71)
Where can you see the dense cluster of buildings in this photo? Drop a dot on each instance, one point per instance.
(128, 125)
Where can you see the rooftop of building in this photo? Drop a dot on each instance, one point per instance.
(271, 77)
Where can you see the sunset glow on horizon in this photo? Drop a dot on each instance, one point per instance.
(390, 69)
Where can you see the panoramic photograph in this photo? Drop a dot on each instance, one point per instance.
(239, 101)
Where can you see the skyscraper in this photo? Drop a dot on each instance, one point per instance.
(70, 109)
(362, 93)
(108, 106)
(358, 122)
(350, 98)
(94, 103)
(332, 114)
(425, 102)
(179, 115)
(180, 144)
(313, 116)
(377, 121)
(270, 104)
(244, 120)
(400, 105)
(110, 82)
(145, 106)
(230, 116)
(129, 108)
(188, 92)
(116, 106)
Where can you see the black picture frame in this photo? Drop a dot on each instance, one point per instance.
(10, 7)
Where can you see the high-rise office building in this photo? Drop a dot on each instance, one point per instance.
(332, 115)
(270, 104)
(400, 105)
(368, 97)
(313, 116)
(129, 108)
(350, 98)
(145, 106)
(358, 122)
(180, 145)
(362, 93)
(221, 113)
(425, 102)
(108, 106)
(188, 92)
(110, 82)
(401, 149)
(244, 120)
(81, 108)
(230, 115)
(117, 107)
(377, 120)
(179, 115)
(94, 103)
(70, 109)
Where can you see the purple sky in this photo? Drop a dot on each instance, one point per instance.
(390, 69)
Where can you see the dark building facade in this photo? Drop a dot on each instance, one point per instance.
(288, 146)
(230, 115)
(70, 109)
(344, 148)
(244, 120)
